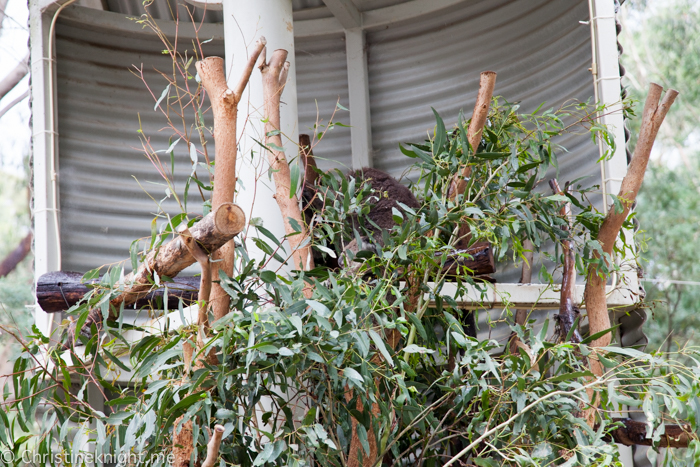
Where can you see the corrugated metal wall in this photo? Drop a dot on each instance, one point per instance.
(538, 47)
(103, 208)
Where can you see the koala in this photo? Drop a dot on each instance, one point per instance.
(387, 194)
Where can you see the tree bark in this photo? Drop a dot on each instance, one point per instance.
(224, 103)
(211, 233)
(58, 291)
(458, 184)
(9, 82)
(568, 312)
(16, 256)
(205, 280)
(274, 75)
(476, 127)
(594, 294)
(307, 158)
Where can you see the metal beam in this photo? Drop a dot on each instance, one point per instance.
(373, 18)
(358, 93)
(346, 12)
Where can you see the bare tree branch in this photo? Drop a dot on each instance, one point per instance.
(16, 256)
(594, 295)
(274, 75)
(14, 76)
(224, 103)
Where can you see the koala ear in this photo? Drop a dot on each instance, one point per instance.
(355, 250)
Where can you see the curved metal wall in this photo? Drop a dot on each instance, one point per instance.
(538, 47)
(100, 100)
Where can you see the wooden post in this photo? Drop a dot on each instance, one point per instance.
(274, 74)
(224, 103)
(594, 294)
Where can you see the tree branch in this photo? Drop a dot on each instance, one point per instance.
(594, 294)
(16, 256)
(224, 103)
(568, 312)
(213, 447)
(15, 76)
(476, 127)
(211, 233)
(525, 278)
(274, 75)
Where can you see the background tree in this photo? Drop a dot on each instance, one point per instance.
(661, 43)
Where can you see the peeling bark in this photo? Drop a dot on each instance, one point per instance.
(568, 312)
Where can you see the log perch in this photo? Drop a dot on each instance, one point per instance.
(480, 260)
(58, 291)
(211, 233)
(634, 433)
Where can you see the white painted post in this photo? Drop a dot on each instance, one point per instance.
(244, 22)
(607, 82)
(46, 238)
(358, 92)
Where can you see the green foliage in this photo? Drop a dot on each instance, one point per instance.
(660, 40)
(668, 211)
(16, 289)
(289, 373)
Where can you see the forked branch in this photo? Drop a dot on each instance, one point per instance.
(594, 295)
(274, 75)
(224, 103)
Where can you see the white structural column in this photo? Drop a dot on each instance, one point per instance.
(244, 22)
(607, 77)
(358, 93)
(45, 164)
(606, 74)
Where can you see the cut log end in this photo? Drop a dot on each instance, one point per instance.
(229, 219)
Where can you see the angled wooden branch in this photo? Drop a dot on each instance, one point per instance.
(224, 103)
(594, 294)
(476, 127)
(458, 184)
(274, 75)
(15, 75)
(568, 312)
(213, 446)
(211, 233)
(16, 256)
